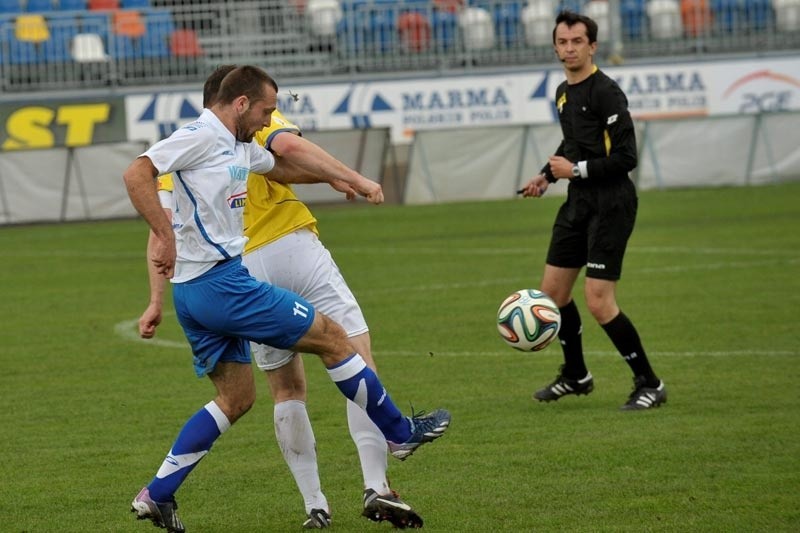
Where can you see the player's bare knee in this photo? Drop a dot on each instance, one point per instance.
(235, 406)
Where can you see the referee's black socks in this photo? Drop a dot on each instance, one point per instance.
(570, 337)
(625, 338)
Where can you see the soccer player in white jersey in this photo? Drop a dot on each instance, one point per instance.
(220, 307)
(284, 249)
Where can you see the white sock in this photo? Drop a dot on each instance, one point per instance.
(296, 440)
(372, 448)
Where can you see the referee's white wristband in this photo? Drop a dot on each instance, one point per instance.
(584, 168)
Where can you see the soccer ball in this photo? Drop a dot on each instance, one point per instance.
(528, 320)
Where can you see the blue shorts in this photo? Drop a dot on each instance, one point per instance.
(225, 308)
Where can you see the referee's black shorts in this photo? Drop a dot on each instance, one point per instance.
(593, 226)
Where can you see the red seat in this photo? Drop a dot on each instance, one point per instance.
(98, 5)
(184, 43)
(415, 31)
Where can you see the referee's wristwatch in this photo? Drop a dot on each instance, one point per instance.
(576, 171)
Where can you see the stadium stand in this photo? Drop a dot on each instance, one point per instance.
(142, 41)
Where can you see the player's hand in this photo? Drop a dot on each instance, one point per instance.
(535, 188)
(371, 190)
(163, 255)
(149, 321)
(344, 187)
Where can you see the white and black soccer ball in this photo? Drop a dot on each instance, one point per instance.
(528, 320)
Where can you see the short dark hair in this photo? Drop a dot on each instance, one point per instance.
(570, 18)
(246, 80)
(211, 86)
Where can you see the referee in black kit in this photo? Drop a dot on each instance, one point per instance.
(593, 225)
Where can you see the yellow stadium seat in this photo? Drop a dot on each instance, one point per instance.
(31, 29)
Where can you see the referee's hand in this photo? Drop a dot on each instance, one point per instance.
(535, 188)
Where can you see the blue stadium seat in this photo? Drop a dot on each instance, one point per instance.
(159, 21)
(351, 32)
(634, 18)
(757, 15)
(71, 5)
(22, 53)
(155, 41)
(507, 24)
(726, 16)
(96, 22)
(11, 6)
(421, 6)
(39, 6)
(160, 25)
(382, 30)
(63, 27)
(569, 5)
(122, 47)
(445, 27)
(134, 4)
(367, 30)
(353, 5)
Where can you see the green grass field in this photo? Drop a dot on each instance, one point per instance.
(710, 280)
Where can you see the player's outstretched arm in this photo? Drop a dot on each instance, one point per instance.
(322, 166)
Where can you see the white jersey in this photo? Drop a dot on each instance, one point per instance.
(210, 169)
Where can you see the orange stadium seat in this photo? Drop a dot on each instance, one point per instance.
(128, 23)
(696, 16)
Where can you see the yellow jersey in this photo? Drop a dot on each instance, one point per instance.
(272, 210)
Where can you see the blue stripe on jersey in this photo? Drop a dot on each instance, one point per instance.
(202, 229)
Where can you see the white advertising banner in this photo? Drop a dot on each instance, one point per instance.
(409, 105)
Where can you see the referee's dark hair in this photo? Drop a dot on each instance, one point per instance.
(570, 18)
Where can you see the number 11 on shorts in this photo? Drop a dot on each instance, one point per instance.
(300, 309)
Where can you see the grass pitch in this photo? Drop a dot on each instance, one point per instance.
(710, 280)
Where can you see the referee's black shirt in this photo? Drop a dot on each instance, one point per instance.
(597, 128)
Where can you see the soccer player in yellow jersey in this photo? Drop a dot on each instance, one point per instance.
(284, 249)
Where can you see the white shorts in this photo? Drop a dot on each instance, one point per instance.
(301, 263)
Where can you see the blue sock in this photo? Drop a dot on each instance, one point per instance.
(360, 384)
(193, 443)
